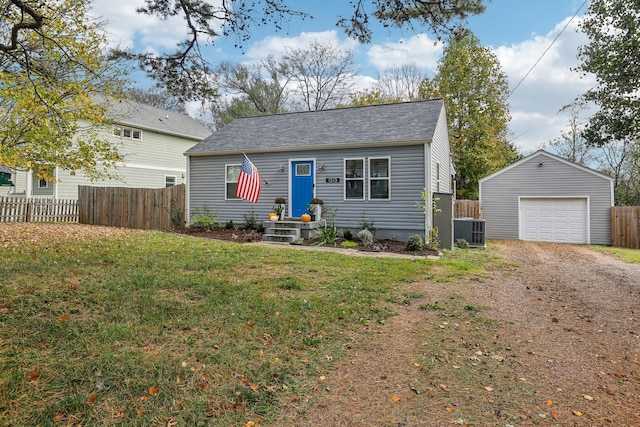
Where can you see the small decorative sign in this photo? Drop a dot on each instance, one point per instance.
(333, 180)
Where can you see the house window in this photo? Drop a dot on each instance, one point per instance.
(354, 179)
(231, 180)
(42, 183)
(170, 180)
(127, 132)
(379, 178)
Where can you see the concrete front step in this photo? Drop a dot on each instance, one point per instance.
(279, 238)
(289, 230)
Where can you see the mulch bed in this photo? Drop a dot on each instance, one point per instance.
(241, 235)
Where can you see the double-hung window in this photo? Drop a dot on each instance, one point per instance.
(354, 179)
(231, 180)
(379, 179)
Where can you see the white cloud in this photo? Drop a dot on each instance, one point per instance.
(548, 86)
(418, 50)
(276, 45)
(128, 28)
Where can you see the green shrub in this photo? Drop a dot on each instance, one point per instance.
(367, 224)
(204, 218)
(348, 244)
(176, 214)
(347, 235)
(366, 237)
(229, 224)
(250, 221)
(415, 243)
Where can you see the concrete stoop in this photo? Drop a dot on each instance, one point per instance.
(289, 230)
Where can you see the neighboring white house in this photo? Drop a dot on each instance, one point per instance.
(152, 141)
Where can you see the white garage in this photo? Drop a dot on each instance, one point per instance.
(546, 198)
(561, 220)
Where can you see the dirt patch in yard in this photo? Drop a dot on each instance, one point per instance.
(549, 338)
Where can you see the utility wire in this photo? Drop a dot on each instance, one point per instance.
(547, 49)
(536, 63)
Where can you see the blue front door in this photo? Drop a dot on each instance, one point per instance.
(301, 186)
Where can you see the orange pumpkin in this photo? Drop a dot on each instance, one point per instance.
(272, 214)
(305, 217)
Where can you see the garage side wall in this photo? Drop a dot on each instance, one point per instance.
(544, 176)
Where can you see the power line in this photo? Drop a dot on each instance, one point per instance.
(547, 49)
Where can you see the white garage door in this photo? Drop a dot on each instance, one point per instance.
(554, 220)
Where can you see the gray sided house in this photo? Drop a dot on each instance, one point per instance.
(546, 198)
(366, 163)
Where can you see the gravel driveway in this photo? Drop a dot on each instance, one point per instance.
(575, 313)
(568, 324)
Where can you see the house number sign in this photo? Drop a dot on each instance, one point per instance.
(333, 180)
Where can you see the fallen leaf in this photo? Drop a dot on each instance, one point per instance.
(586, 396)
(417, 365)
(154, 390)
(543, 416)
(489, 388)
(617, 374)
(58, 417)
(554, 414)
(395, 399)
(444, 388)
(250, 424)
(577, 413)
(34, 375)
(254, 387)
(64, 317)
(93, 397)
(449, 410)
(549, 402)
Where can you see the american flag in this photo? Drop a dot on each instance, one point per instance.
(248, 187)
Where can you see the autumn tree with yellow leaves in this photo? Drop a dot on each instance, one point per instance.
(475, 92)
(53, 67)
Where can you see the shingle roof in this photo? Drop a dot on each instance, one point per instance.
(150, 118)
(378, 124)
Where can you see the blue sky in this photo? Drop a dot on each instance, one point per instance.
(518, 31)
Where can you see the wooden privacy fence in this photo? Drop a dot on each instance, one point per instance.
(625, 226)
(142, 208)
(467, 209)
(32, 209)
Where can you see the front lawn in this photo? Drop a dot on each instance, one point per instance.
(155, 328)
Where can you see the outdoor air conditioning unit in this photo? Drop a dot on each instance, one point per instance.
(470, 229)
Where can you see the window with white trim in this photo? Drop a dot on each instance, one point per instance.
(127, 132)
(379, 180)
(43, 183)
(170, 180)
(231, 180)
(354, 179)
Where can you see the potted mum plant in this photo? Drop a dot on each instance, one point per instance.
(279, 207)
(315, 208)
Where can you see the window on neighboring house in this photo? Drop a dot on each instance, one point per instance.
(231, 180)
(170, 180)
(354, 179)
(127, 132)
(379, 178)
(438, 177)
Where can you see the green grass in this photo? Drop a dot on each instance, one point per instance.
(627, 255)
(159, 329)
